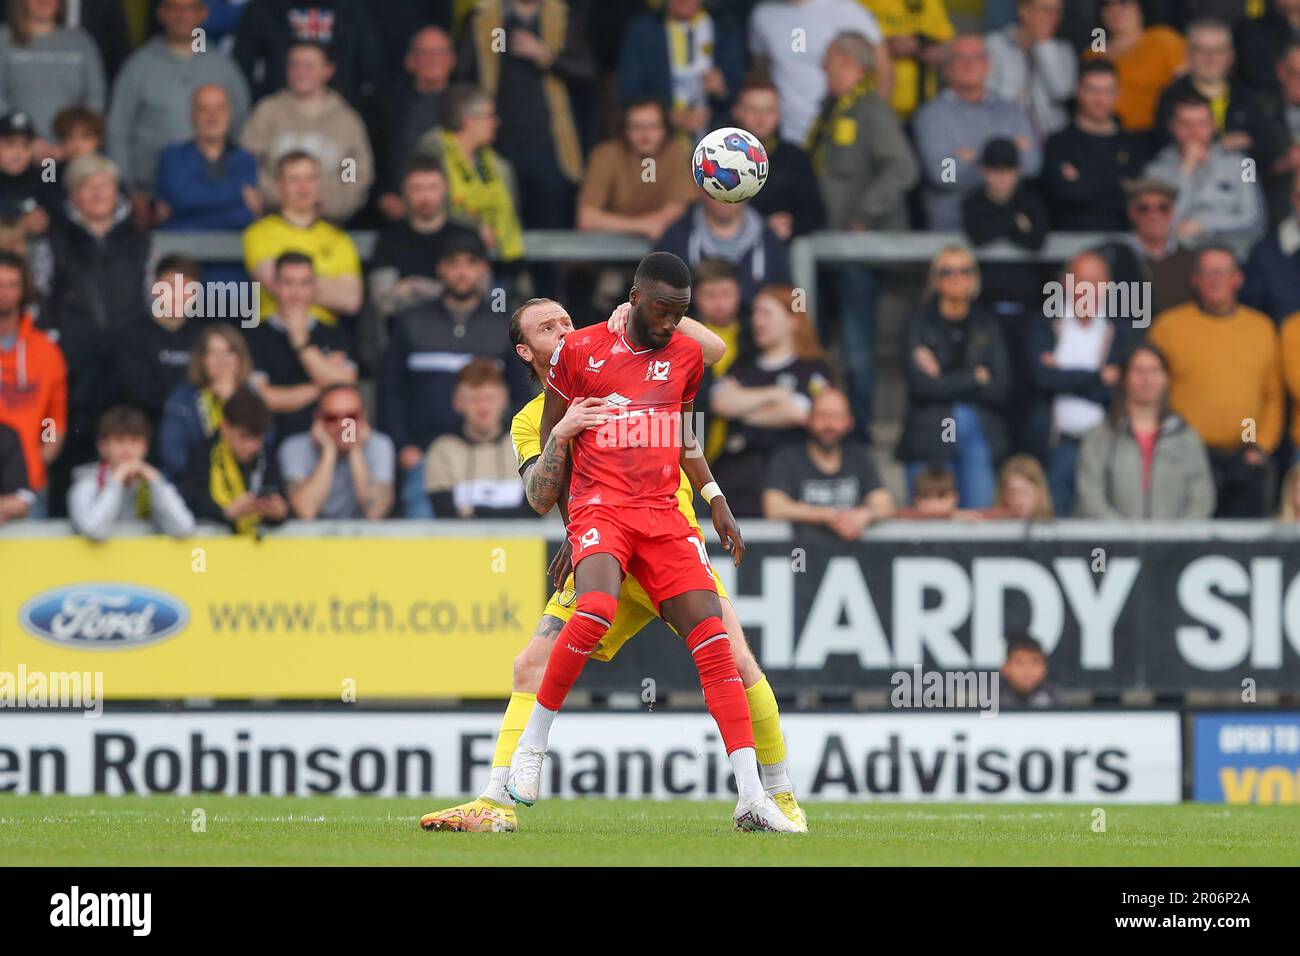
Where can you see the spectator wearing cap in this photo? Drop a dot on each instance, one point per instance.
(472, 473)
(830, 481)
(482, 191)
(1225, 381)
(1216, 202)
(156, 347)
(951, 131)
(1239, 117)
(790, 200)
(797, 67)
(1158, 256)
(1006, 208)
(403, 267)
(16, 497)
(406, 110)
(100, 263)
(1074, 354)
(427, 346)
(1146, 60)
(617, 196)
(152, 101)
(1086, 164)
(342, 469)
(269, 29)
(33, 382)
(684, 56)
(529, 81)
(308, 116)
(1273, 269)
(298, 227)
(25, 195)
(296, 356)
(865, 167)
(1029, 66)
(233, 479)
(1143, 462)
(45, 66)
(207, 182)
(122, 485)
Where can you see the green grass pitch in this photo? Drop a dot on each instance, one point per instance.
(272, 831)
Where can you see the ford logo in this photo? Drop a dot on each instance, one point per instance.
(103, 616)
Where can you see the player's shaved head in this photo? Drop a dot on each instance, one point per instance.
(660, 295)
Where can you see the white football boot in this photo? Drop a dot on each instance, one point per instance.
(762, 815)
(525, 780)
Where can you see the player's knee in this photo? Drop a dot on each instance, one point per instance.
(597, 607)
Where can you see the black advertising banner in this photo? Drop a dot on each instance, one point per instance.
(1165, 614)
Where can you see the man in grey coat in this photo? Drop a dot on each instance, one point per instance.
(865, 167)
(152, 96)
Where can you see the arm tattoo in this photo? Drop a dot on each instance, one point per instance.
(546, 479)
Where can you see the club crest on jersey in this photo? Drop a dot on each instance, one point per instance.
(657, 371)
(589, 537)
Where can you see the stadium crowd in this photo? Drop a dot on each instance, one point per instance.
(1158, 385)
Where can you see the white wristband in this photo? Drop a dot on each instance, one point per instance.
(710, 491)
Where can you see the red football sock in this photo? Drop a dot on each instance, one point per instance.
(574, 644)
(724, 694)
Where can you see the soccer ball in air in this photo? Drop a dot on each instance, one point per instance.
(730, 164)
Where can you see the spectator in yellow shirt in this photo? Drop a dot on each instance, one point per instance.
(1146, 58)
(916, 32)
(298, 227)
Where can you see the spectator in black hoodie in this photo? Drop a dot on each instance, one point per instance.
(1022, 682)
(344, 27)
(25, 194)
(1085, 164)
(155, 352)
(427, 346)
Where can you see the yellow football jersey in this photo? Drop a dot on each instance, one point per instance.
(331, 250)
(526, 434)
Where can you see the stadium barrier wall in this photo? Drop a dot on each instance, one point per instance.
(413, 610)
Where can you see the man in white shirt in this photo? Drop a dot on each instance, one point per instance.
(788, 39)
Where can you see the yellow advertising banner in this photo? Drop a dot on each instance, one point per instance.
(347, 618)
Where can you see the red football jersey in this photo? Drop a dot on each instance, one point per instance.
(634, 459)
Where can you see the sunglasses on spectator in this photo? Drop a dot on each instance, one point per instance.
(947, 272)
(1145, 207)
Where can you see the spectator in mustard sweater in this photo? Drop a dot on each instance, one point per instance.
(1290, 350)
(1225, 380)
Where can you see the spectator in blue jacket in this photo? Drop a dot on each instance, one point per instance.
(734, 233)
(687, 59)
(1273, 270)
(220, 364)
(208, 183)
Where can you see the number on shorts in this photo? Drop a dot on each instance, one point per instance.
(699, 546)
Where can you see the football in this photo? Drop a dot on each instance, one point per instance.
(730, 164)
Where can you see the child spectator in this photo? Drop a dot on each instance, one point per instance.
(472, 474)
(122, 485)
(934, 495)
(80, 131)
(1022, 491)
(1023, 683)
(25, 193)
(232, 479)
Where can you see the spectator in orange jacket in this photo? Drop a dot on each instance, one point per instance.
(33, 379)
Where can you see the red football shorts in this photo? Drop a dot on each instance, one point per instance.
(657, 546)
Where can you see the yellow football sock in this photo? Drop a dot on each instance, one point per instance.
(513, 722)
(765, 717)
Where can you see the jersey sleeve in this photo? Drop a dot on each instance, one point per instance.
(559, 377)
(526, 437)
